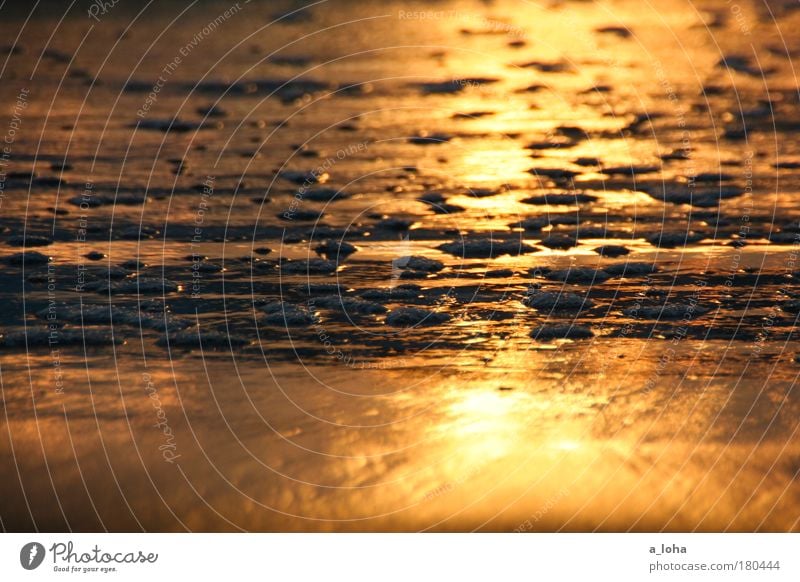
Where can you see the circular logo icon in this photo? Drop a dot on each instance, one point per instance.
(31, 555)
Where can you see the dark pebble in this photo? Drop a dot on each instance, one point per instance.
(666, 311)
(140, 286)
(559, 241)
(350, 305)
(671, 240)
(630, 269)
(28, 241)
(619, 31)
(414, 316)
(28, 258)
(560, 199)
(586, 162)
(580, 275)
(335, 250)
(133, 264)
(425, 138)
(95, 256)
(324, 194)
(555, 173)
(404, 292)
(207, 340)
(395, 223)
(287, 315)
(486, 248)
(630, 170)
(301, 215)
(558, 301)
(561, 331)
(299, 177)
(212, 111)
(416, 263)
(612, 251)
(66, 337)
(309, 267)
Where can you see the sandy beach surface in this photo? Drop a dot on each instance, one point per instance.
(396, 266)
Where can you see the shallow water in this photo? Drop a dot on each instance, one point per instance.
(504, 141)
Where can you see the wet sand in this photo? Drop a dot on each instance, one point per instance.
(374, 266)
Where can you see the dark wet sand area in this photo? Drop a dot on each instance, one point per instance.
(380, 266)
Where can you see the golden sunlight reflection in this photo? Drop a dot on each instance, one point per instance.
(483, 423)
(443, 280)
(492, 163)
(488, 423)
